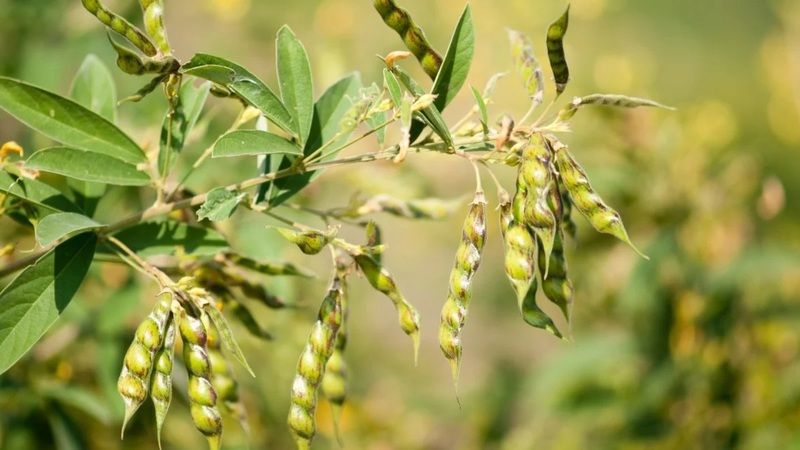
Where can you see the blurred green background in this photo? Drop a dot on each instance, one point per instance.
(696, 348)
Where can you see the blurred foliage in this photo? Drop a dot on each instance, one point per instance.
(696, 348)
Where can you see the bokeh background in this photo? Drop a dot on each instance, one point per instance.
(697, 348)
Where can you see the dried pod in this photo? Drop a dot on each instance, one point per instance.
(222, 379)
(557, 286)
(309, 242)
(311, 367)
(413, 37)
(585, 199)
(154, 23)
(202, 396)
(134, 380)
(118, 24)
(536, 175)
(161, 381)
(382, 281)
(467, 260)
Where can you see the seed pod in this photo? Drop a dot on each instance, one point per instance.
(467, 260)
(202, 396)
(585, 199)
(131, 63)
(161, 381)
(134, 380)
(334, 382)
(527, 66)
(555, 51)
(309, 242)
(520, 248)
(621, 101)
(133, 34)
(567, 224)
(536, 175)
(311, 367)
(222, 379)
(154, 23)
(413, 37)
(557, 286)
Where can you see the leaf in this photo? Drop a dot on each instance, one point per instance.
(482, 110)
(393, 86)
(431, 114)
(161, 238)
(226, 335)
(67, 435)
(621, 101)
(32, 302)
(220, 204)
(253, 142)
(191, 100)
(455, 66)
(244, 84)
(375, 121)
(294, 76)
(527, 66)
(66, 121)
(555, 51)
(78, 398)
(36, 193)
(57, 226)
(329, 109)
(93, 87)
(87, 166)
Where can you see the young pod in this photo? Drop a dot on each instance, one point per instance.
(131, 63)
(536, 175)
(557, 286)
(382, 281)
(467, 260)
(134, 380)
(413, 37)
(121, 26)
(153, 11)
(202, 396)
(334, 382)
(309, 242)
(222, 379)
(311, 367)
(161, 381)
(585, 199)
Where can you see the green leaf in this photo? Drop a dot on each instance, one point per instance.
(555, 51)
(482, 110)
(59, 225)
(220, 204)
(162, 238)
(176, 128)
(36, 193)
(226, 335)
(32, 302)
(393, 86)
(431, 114)
(87, 166)
(253, 142)
(66, 121)
(455, 66)
(93, 87)
(294, 76)
(244, 84)
(78, 398)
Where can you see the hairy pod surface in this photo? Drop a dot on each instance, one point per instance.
(557, 286)
(334, 380)
(467, 261)
(581, 194)
(153, 11)
(134, 380)
(382, 281)
(536, 174)
(121, 26)
(311, 367)
(202, 396)
(413, 37)
(309, 242)
(161, 382)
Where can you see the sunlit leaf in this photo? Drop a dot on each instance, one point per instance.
(294, 75)
(253, 142)
(87, 166)
(456, 64)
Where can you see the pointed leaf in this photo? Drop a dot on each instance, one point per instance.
(482, 110)
(36, 193)
(220, 204)
(294, 75)
(57, 226)
(66, 121)
(431, 114)
(253, 142)
(226, 335)
(174, 131)
(87, 166)
(393, 86)
(455, 66)
(93, 87)
(32, 302)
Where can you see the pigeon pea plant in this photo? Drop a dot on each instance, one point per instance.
(306, 137)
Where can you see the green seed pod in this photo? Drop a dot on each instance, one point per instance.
(134, 380)
(506, 209)
(131, 63)
(585, 199)
(202, 396)
(309, 242)
(527, 66)
(536, 174)
(413, 37)
(557, 286)
(555, 51)
(468, 258)
(161, 382)
(334, 380)
(567, 224)
(311, 367)
(133, 34)
(154, 23)
(382, 281)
